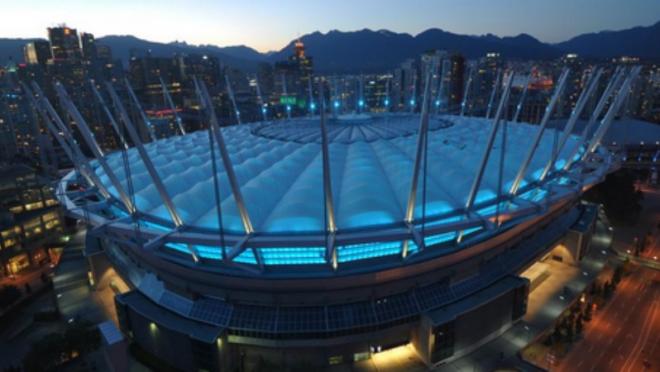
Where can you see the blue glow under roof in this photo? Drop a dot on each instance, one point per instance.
(279, 169)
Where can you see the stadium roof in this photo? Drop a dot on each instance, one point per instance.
(625, 131)
(279, 170)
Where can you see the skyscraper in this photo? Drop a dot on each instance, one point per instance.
(292, 76)
(576, 83)
(37, 52)
(488, 68)
(88, 45)
(64, 44)
(456, 80)
(404, 84)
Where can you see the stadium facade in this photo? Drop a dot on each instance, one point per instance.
(322, 240)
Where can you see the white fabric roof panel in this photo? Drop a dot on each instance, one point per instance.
(279, 169)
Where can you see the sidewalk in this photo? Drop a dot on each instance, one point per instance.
(33, 277)
(503, 351)
(71, 283)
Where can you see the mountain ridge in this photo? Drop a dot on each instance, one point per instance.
(369, 50)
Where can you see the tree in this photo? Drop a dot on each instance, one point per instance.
(555, 336)
(569, 333)
(578, 324)
(575, 308)
(618, 273)
(622, 201)
(45, 354)
(55, 348)
(81, 337)
(587, 311)
(608, 288)
(648, 240)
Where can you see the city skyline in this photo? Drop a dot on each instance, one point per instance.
(218, 23)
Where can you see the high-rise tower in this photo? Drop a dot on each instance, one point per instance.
(64, 44)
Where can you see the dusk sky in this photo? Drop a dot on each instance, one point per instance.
(269, 25)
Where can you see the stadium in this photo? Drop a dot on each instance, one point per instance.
(327, 239)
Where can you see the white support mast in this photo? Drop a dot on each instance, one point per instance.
(77, 157)
(331, 227)
(466, 92)
(413, 99)
(521, 102)
(262, 104)
(144, 155)
(145, 120)
(476, 183)
(612, 85)
(285, 95)
(113, 122)
(361, 102)
(310, 93)
(441, 88)
(386, 103)
(230, 91)
(575, 114)
(207, 105)
(61, 134)
(419, 152)
(170, 103)
(614, 109)
(93, 145)
(544, 122)
(493, 93)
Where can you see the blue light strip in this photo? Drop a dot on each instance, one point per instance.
(293, 256)
(534, 195)
(491, 210)
(179, 247)
(471, 230)
(412, 247)
(204, 251)
(208, 252)
(440, 238)
(247, 257)
(354, 252)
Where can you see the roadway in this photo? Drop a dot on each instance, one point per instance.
(625, 334)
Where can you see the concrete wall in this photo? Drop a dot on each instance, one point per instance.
(173, 347)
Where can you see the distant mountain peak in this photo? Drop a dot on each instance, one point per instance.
(640, 41)
(385, 32)
(525, 36)
(368, 50)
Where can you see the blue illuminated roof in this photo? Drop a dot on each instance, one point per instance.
(279, 168)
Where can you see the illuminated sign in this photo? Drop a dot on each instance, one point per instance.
(288, 100)
(292, 101)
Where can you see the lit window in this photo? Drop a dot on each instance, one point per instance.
(334, 360)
